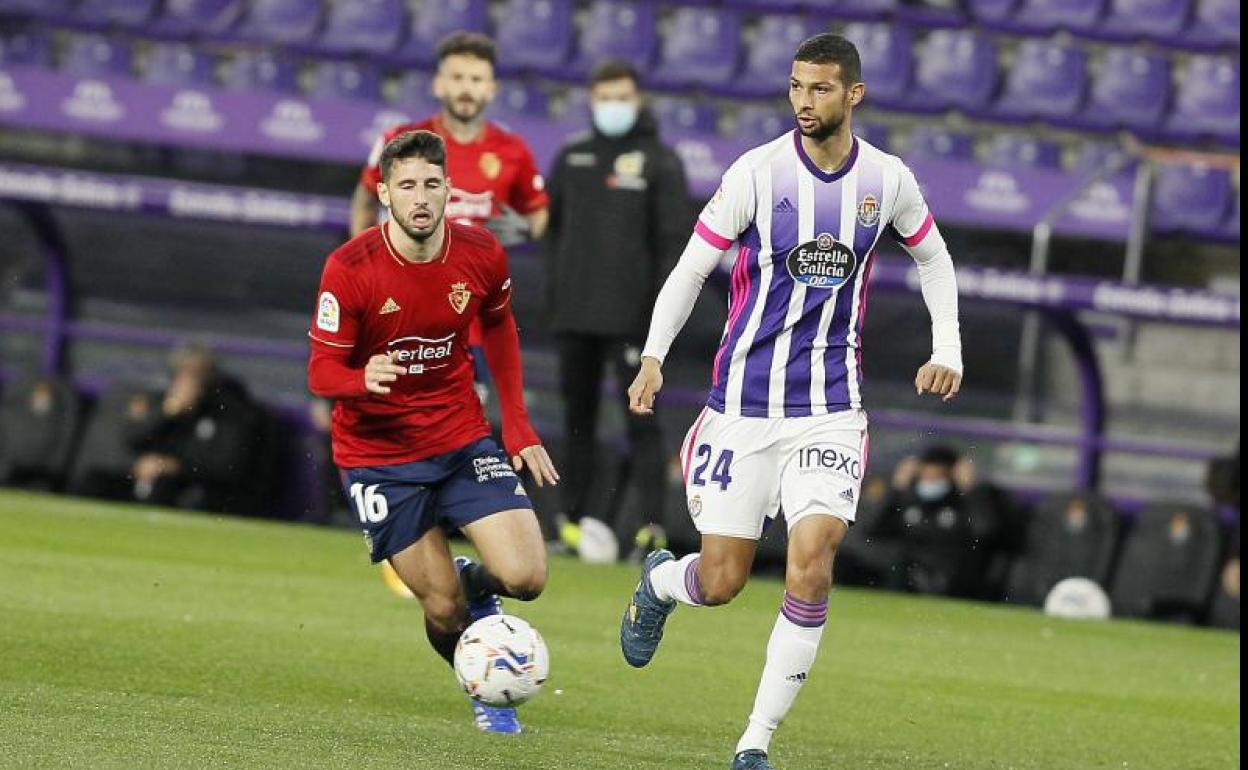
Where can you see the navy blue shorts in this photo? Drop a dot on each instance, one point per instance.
(398, 504)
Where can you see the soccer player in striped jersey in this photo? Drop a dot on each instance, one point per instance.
(784, 428)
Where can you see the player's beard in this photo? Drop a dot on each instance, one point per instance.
(417, 235)
(464, 110)
(825, 128)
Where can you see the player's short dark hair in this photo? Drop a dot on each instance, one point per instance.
(827, 48)
(612, 70)
(473, 44)
(412, 144)
(940, 454)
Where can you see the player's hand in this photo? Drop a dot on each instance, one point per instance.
(538, 463)
(380, 370)
(645, 387)
(938, 380)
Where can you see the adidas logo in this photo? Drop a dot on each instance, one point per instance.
(390, 307)
(848, 495)
(785, 206)
(799, 677)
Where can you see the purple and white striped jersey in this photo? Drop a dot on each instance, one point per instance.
(805, 239)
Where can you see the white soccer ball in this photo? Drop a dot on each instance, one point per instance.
(598, 543)
(501, 661)
(1077, 598)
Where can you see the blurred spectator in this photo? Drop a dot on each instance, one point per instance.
(39, 418)
(202, 448)
(936, 531)
(1223, 486)
(105, 458)
(619, 207)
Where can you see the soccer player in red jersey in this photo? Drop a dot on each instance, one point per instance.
(389, 345)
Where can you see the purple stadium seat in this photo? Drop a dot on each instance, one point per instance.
(758, 124)
(683, 117)
(261, 71)
(1046, 16)
(181, 18)
(364, 26)
(702, 48)
(535, 35)
(1207, 105)
(617, 29)
(1098, 156)
(856, 9)
(345, 80)
(435, 21)
(517, 97)
(121, 13)
(770, 59)
(1047, 80)
(1131, 90)
(285, 22)
(1023, 151)
(992, 12)
(30, 47)
(575, 112)
(179, 64)
(1216, 24)
(1230, 228)
(956, 69)
(1137, 19)
(1190, 198)
(935, 142)
(48, 9)
(887, 61)
(96, 55)
(876, 134)
(769, 6)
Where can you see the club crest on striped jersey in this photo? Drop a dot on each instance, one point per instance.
(869, 211)
(824, 263)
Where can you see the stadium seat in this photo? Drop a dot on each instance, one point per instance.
(104, 459)
(96, 56)
(683, 117)
(56, 10)
(853, 9)
(345, 80)
(1098, 156)
(702, 48)
(413, 92)
(114, 13)
(992, 12)
(39, 417)
(181, 18)
(765, 6)
(617, 29)
(1068, 536)
(1047, 16)
(1131, 90)
(936, 142)
(435, 21)
(178, 64)
(535, 35)
(1023, 151)
(887, 55)
(876, 134)
(364, 27)
(770, 59)
(261, 71)
(1161, 20)
(1190, 198)
(757, 124)
(1168, 564)
(1208, 103)
(30, 47)
(285, 22)
(1230, 228)
(955, 69)
(1047, 81)
(519, 97)
(1216, 24)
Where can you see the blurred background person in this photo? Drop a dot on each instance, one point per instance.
(620, 215)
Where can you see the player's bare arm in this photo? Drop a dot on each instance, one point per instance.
(364, 209)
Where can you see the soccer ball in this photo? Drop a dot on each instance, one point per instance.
(501, 661)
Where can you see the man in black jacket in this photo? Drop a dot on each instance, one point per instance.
(619, 217)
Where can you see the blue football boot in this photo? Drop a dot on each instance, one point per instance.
(641, 630)
(752, 760)
(496, 720)
(480, 604)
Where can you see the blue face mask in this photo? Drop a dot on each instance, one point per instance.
(615, 119)
(931, 490)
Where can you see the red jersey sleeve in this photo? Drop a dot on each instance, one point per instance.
(335, 329)
(499, 295)
(528, 189)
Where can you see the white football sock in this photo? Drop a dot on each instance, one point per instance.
(679, 581)
(790, 655)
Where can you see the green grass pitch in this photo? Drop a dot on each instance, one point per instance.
(131, 637)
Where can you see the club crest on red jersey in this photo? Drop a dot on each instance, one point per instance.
(459, 296)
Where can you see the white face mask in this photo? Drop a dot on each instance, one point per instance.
(615, 119)
(929, 490)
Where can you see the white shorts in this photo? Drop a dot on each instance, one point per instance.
(741, 471)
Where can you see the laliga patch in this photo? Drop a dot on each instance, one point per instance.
(327, 313)
(824, 263)
(869, 211)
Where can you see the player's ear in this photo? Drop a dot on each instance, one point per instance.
(857, 93)
(383, 194)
